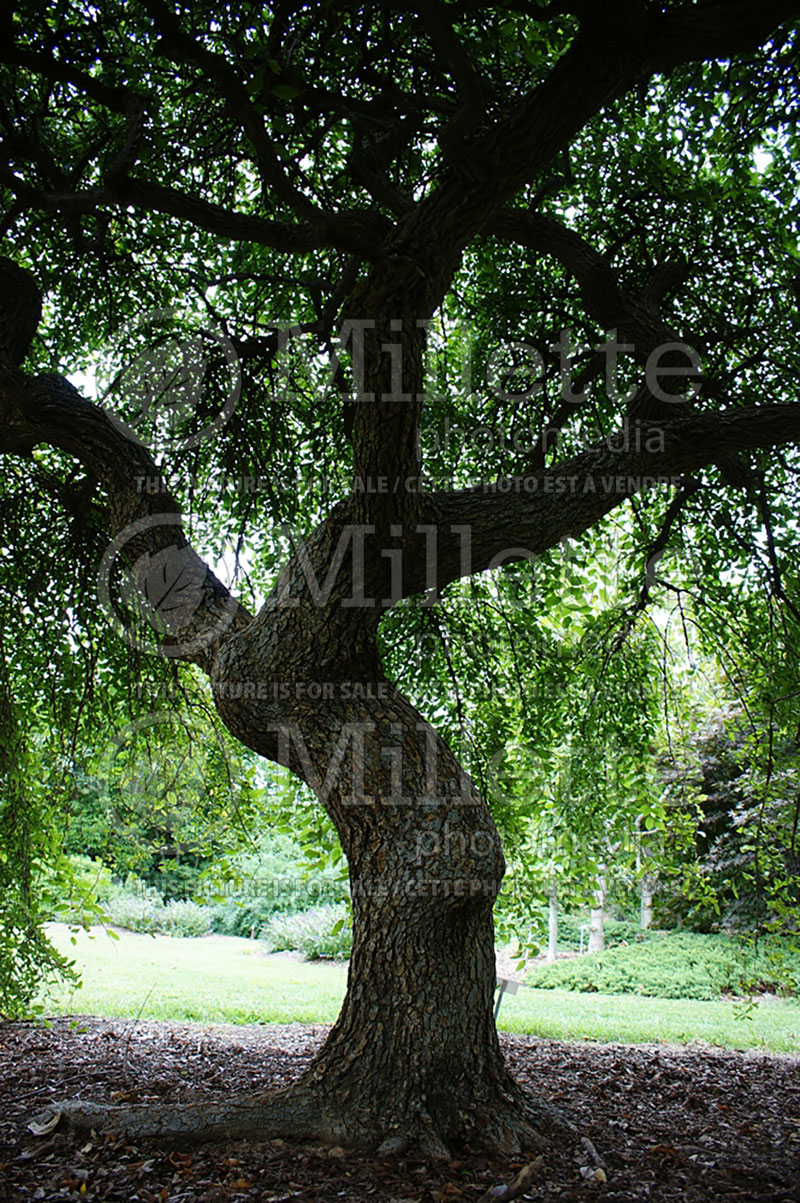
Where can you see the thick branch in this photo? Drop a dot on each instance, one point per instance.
(447, 45)
(690, 33)
(115, 99)
(357, 232)
(637, 318)
(606, 301)
(525, 516)
(190, 607)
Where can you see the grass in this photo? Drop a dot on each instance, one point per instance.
(773, 1024)
(226, 979)
(212, 979)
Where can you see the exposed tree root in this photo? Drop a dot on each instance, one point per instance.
(289, 1113)
(520, 1185)
(296, 1112)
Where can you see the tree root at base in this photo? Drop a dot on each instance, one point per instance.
(296, 1112)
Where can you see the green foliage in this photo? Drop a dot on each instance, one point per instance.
(236, 896)
(183, 917)
(89, 880)
(322, 932)
(678, 965)
(742, 776)
(140, 908)
(27, 957)
(550, 677)
(164, 796)
(248, 887)
(617, 931)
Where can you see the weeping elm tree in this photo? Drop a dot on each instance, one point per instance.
(569, 226)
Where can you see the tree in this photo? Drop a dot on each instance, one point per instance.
(328, 180)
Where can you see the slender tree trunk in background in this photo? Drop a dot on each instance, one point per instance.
(597, 936)
(646, 880)
(646, 912)
(552, 923)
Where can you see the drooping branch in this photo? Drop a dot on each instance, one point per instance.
(688, 489)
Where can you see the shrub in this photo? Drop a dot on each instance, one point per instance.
(184, 918)
(676, 965)
(246, 911)
(272, 879)
(138, 907)
(140, 911)
(322, 932)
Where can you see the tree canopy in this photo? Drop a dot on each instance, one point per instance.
(359, 301)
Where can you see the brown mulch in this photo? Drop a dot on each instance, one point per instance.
(667, 1123)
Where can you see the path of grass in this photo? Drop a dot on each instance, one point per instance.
(223, 979)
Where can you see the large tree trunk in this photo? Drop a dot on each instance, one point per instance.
(414, 1057)
(414, 1053)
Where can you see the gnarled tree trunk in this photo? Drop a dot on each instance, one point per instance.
(414, 1053)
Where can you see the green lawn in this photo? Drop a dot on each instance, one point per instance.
(223, 979)
(213, 979)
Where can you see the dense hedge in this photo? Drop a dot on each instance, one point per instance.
(677, 965)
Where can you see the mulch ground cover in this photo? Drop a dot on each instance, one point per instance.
(665, 1123)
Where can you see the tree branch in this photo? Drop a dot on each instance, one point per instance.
(637, 318)
(693, 32)
(357, 232)
(524, 516)
(192, 609)
(606, 301)
(447, 45)
(179, 46)
(115, 99)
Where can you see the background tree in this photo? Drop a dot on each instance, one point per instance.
(359, 174)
